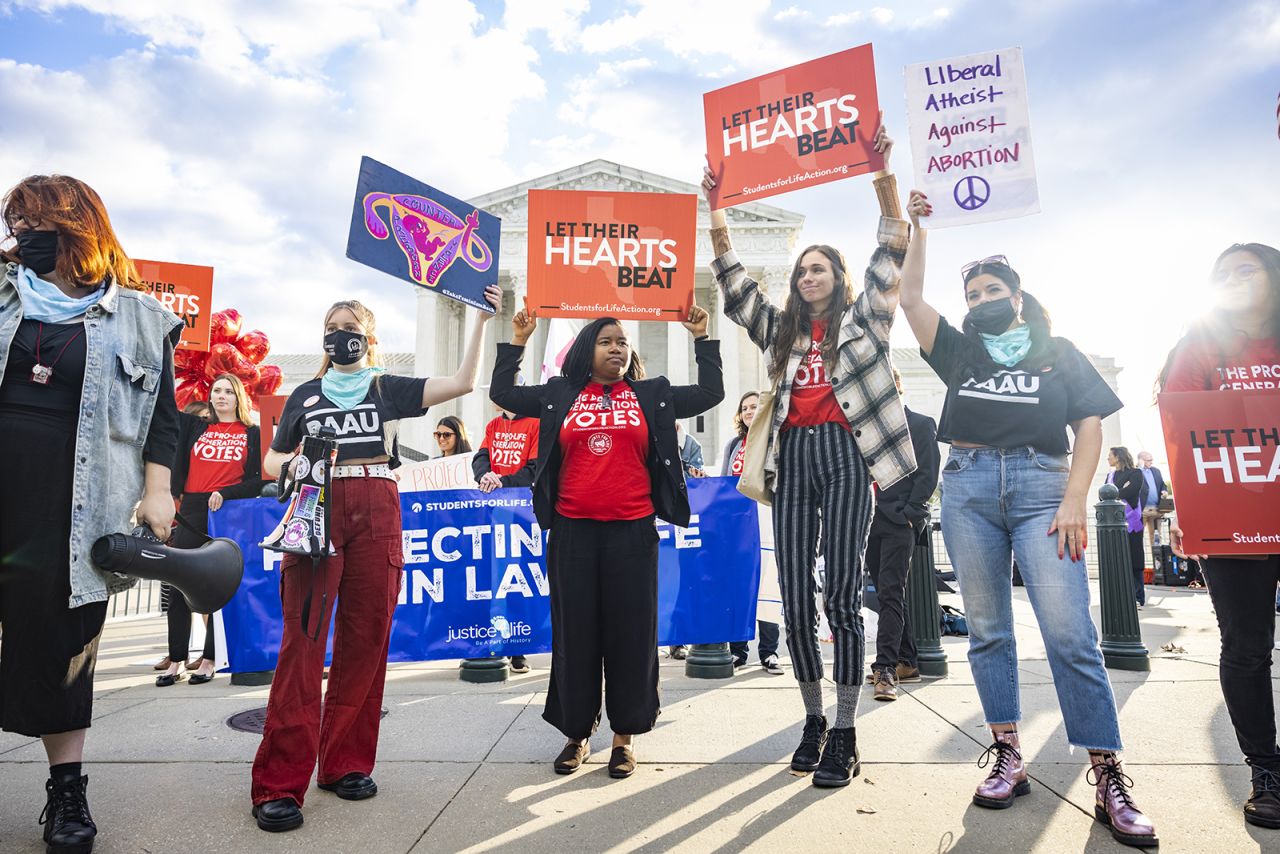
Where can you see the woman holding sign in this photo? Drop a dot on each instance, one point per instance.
(837, 424)
(608, 463)
(1237, 346)
(1009, 491)
(217, 460)
(355, 398)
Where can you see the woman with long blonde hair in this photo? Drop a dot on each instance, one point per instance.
(218, 459)
(362, 405)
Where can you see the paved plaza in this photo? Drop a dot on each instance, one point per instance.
(468, 768)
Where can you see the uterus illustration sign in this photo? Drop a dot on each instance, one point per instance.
(415, 232)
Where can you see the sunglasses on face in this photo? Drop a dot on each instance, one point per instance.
(990, 259)
(443, 435)
(1242, 273)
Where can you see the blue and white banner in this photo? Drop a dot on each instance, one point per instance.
(475, 579)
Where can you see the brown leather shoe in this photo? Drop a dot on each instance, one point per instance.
(1115, 808)
(162, 664)
(886, 688)
(907, 673)
(573, 757)
(622, 762)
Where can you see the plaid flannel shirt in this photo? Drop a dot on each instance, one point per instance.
(863, 378)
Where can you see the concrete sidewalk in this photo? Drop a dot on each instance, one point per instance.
(468, 768)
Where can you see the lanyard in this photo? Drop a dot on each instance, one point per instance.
(40, 373)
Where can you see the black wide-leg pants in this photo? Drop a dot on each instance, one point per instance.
(604, 624)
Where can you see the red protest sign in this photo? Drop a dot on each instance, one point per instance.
(1224, 453)
(795, 128)
(186, 290)
(629, 255)
(270, 408)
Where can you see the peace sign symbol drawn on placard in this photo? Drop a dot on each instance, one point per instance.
(972, 192)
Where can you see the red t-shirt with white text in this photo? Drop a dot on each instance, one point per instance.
(604, 475)
(739, 459)
(511, 443)
(218, 457)
(812, 400)
(1244, 364)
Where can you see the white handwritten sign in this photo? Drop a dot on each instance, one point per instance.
(441, 473)
(971, 138)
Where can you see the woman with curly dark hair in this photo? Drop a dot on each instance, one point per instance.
(608, 465)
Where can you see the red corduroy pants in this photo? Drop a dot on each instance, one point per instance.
(364, 576)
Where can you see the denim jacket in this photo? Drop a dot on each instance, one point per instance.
(126, 334)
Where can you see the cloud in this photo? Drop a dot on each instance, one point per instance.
(233, 138)
(789, 13)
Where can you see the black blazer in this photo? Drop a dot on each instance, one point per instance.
(191, 428)
(907, 501)
(660, 401)
(1130, 483)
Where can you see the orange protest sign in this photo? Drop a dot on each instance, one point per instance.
(186, 290)
(270, 408)
(629, 255)
(795, 128)
(1224, 452)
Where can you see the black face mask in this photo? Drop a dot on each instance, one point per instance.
(39, 251)
(345, 348)
(991, 318)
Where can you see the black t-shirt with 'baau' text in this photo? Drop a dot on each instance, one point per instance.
(1027, 404)
(368, 430)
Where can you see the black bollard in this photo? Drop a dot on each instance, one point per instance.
(709, 661)
(483, 669)
(1122, 646)
(922, 607)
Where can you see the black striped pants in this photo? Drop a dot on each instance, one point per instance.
(822, 477)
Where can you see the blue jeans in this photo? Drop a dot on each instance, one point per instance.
(998, 504)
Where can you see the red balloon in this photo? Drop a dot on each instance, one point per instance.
(190, 391)
(270, 378)
(255, 345)
(222, 360)
(246, 372)
(189, 364)
(225, 326)
(184, 394)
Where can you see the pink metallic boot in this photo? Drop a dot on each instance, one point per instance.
(1008, 777)
(1113, 806)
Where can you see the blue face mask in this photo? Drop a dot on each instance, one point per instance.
(1010, 347)
(348, 390)
(45, 301)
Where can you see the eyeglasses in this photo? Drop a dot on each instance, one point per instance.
(606, 402)
(442, 435)
(991, 259)
(1243, 273)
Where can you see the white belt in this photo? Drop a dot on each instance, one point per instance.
(375, 470)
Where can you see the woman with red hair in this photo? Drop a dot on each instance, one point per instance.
(87, 409)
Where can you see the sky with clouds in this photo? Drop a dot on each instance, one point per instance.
(230, 133)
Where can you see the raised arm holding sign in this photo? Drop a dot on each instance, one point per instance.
(794, 128)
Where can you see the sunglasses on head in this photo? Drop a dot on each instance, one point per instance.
(440, 434)
(991, 259)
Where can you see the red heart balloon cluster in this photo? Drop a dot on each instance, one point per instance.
(230, 352)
